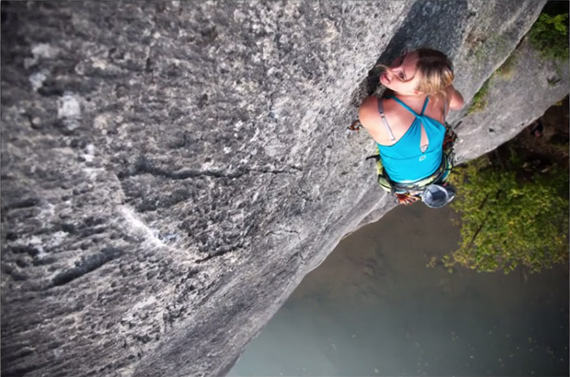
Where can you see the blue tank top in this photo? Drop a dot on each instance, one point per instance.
(405, 161)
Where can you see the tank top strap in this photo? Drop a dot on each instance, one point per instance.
(408, 108)
(403, 105)
(425, 105)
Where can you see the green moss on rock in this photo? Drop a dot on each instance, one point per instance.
(507, 69)
(480, 98)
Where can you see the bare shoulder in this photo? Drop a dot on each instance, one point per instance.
(371, 119)
(368, 108)
(368, 113)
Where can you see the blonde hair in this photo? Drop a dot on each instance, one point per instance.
(435, 70)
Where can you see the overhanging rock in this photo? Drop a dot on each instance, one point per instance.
(172, 170)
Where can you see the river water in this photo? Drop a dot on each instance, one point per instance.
(373, 308)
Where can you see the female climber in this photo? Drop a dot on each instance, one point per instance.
(408, 124)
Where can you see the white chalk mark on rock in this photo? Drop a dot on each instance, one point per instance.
(37, 79)
(41, 50)
(69, 110)
(140, 227)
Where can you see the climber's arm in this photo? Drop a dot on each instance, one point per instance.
(455, 98)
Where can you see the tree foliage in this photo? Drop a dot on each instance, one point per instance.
(511, 214)
(549, 34)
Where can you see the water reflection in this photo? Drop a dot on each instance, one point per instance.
(374, 308)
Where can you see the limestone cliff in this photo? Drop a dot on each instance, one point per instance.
(172, 170)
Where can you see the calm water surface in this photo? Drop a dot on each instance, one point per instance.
(373, 308)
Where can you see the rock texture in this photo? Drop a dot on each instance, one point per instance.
(172, 170)
(518, 93)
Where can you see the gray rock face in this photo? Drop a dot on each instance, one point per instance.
(516, 96)
(172, 170)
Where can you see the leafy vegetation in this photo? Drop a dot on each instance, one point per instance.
(549, 34)
(513, 212)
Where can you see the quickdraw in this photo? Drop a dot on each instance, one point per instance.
(355, 126)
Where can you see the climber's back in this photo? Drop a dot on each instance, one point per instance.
(408, 124)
